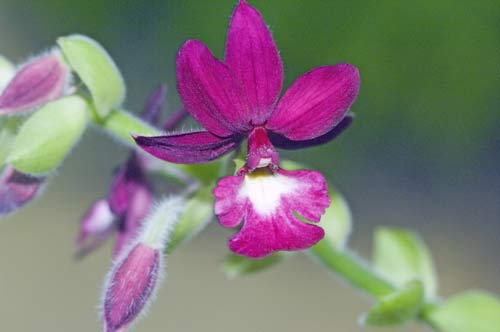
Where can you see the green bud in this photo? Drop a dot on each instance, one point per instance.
(8, 130)
(337, 221)
(96, 69)
(235, 265)
(7, 71)
(48, 136)
(398, 307)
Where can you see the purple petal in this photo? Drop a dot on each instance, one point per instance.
(17, 189)
(189, 148)
(128, 179)
(155, 105)
(316, 102)
(210, 91)
(95, 227)
(130, 286)
(253, 57)
(282, 142)
(266, 203)
(139, 206)
(175, 119)
(36, 83)
(261, 152)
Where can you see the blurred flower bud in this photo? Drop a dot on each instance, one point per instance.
(136, 273)
(17, 189)
(39, 81)
(48, 136)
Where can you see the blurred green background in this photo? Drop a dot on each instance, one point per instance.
(423, 153)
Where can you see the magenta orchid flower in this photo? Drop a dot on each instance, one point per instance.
(238, 99)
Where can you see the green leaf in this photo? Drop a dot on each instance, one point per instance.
(197, 214)
(472, 311)
(337, 221)
(398, 307)
(7, 72)
(235, 265)
(401, 256)
(96, 69)
(48, 135)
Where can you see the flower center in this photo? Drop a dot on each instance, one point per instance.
(264, 189)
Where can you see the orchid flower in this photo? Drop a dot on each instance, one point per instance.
(236, 99)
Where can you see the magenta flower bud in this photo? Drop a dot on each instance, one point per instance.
(17, 189)
(39, 81)
(131, 284)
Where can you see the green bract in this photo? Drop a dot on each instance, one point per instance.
(48, 136)
(7, 136)
(7, 71)
(235, 266)
(197, 214)
(472, 311)
(398, 307)
(96, 69)
(401, 256)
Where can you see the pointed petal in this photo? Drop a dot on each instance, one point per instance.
(139, 206)
(210, 91)
(189, 148)
(266, 204)
(155, 105)
(316, 102)
(252, 55)
(17, 189)
(175, 119)
(36, 83)
(130, 285)
(95, 227)
(282, 142)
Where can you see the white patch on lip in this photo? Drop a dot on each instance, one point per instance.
(264, 190)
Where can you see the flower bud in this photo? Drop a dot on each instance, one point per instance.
(136, 272)
(17, 189)
(95, 227)
(39, 81)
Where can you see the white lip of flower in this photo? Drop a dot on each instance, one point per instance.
(264, 190)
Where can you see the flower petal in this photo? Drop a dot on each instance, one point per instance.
(252, 55)
(282, 142)
(210, 91)
(155, 105)
(266, 204)
(188, 148)
(316, 102)
(17, 189)
(36, 83)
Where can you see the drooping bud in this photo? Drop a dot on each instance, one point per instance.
(137, 271)
(36, 83)
(17, 189)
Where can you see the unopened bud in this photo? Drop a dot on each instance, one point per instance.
(39, 81)
(17, 189)
(95, 227)
(136, 273)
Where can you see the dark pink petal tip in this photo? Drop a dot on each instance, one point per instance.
(266, 204)
(210, 92)
(188, 148)
(261, 152)
(253, 57)
(316, 102)
(155, 105)
(39, 81)
(130, 286)
(17, 189)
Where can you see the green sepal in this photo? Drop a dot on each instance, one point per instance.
(401, 256)
(48, 136)
(8, 131)
(471, 311)
(196, 216)
(236, 266)
(96, 69)
(398, 307)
